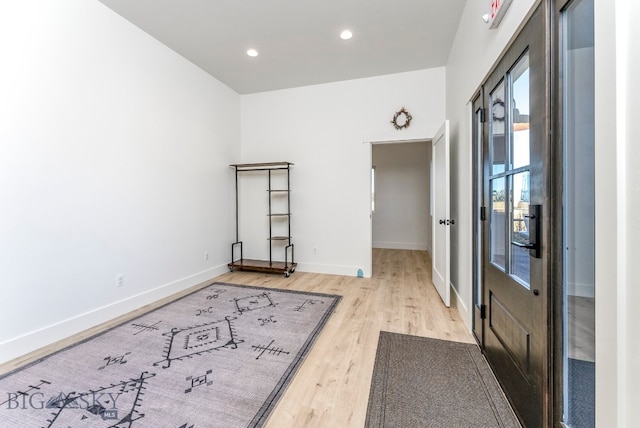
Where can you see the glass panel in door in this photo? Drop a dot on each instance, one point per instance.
(510, 191)
(497, 127)
(497, 159)
(498, 219)
(517, 171)
(520, 114)
(519, 197)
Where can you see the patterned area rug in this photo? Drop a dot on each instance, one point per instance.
(423, 382)
(219, 357)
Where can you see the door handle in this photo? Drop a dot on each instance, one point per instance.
(534, 245)
(527, 245)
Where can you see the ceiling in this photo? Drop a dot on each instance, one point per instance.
(298, 40)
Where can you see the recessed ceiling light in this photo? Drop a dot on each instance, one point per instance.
(252, 52)
(346, 35)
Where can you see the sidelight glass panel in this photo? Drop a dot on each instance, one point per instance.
(520, 113)
(498, 219)
(497, 139)
(579, 214)
(519, 203)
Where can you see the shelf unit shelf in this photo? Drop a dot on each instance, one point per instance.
(288, 266)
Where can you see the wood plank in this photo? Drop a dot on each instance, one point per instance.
(260, 165)
(262, 266)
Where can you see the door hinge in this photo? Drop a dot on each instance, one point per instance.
(483, 116)
(483, 312)
(483, 213)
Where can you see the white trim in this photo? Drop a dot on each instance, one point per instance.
(368, 243)
(29, 342)
(401, 245)
(581, 290)
(468, 320)
(457, 302)
(332, 269)
(392, 138)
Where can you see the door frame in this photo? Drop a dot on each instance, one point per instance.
(477, 207)
(368, 144)
(557, 336)
(556, 315)
(551, 205)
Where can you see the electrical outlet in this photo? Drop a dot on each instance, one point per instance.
(120, 280)
(206, 256)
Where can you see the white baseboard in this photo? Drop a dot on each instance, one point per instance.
(29, 342)
(458, 303)
(332, 269)
(581, 290)
(401, 245)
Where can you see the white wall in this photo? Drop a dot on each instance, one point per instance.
(475, 49)
(402, 219)
(114, 154)
(630, 55)
(321, 129)
(617, 155)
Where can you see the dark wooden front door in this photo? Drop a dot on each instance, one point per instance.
(514, 255)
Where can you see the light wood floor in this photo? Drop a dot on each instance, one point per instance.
(581, 328)
(331, 388)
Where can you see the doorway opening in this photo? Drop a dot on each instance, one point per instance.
(400, 205)
(401, 196)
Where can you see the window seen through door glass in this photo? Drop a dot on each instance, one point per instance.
(519, 203)
(510, 157)
(520, 113)
(498, 118)
(498, 219)
(519, 195)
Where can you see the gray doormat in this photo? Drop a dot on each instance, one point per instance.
(582, 393)
(219, 357)
(422, 382)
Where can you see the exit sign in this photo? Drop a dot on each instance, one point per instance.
(498, 9)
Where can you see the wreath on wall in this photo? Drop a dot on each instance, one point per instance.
(401, 119)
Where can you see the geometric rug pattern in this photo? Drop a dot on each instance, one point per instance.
(221, 356)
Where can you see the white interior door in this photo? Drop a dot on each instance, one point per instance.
(441, 220)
